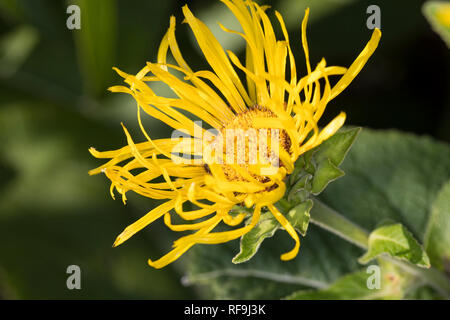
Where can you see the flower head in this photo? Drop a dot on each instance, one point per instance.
(258, 129)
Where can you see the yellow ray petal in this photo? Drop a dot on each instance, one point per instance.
(179, 250)
(220, 237)
(143, 222)
(288, 227)
(184, 227)
(357, 65)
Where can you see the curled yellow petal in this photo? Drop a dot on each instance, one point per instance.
(358, 64)
(288, 227)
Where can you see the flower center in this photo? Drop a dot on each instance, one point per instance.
(246, 145)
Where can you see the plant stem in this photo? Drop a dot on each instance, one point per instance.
(328, 219)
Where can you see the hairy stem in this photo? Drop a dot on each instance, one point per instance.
(328, 219)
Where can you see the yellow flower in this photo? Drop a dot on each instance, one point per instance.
(443, 14)
(274, 108)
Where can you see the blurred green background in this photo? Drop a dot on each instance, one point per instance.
(54, 106)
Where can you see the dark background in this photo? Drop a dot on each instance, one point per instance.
(54, 106)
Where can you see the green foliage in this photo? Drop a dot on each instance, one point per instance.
(402, 183)
(15, 48)
(251, 241)
(326, 172)
(328, 156)
(354, 286)
(299, 216)
(318, 167)
(336, 148)
(437, 236)
(396, 241)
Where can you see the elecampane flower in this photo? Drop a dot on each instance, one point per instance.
(274, 107)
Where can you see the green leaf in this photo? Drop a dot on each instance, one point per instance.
(436, 13)
(336, 148)
(355, 286)
(266, 228)
(300, 191)
(326, 173)
(396, 241)
(318, 167)
(251, 241)
(299, 216)
(437, 236)
(423, 293)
